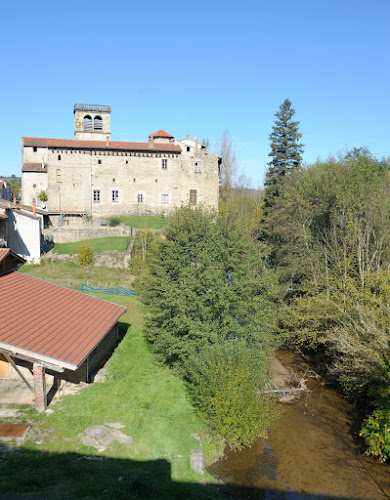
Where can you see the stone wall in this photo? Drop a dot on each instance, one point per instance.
(70, 234)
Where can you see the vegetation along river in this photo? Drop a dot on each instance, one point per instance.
(311, 452)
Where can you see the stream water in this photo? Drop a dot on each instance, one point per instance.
(311, 452)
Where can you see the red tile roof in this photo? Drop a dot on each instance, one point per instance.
(50, 322)
(105, 145)
(3, 253)
(161, 133)
(34, 167)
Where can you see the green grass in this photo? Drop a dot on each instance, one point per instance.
(110, 244)
(146, 397)
(143, 221)
(72, 275)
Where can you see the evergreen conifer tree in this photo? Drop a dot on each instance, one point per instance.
(286, 153)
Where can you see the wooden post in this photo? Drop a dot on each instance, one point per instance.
(40, 387)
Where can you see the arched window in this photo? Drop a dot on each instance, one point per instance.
(98, 124)
(88, 124)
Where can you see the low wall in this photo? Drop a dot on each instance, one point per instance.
(70, 234)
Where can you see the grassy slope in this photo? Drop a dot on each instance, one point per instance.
(72, 275)
(144, 222)
(99, 245)
(148, 399)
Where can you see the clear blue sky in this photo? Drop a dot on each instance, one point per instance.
(199, 68)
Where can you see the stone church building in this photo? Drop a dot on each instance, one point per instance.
(95, 176)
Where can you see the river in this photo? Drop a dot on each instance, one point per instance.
(311, 452)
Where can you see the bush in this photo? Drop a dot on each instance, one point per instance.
(114, 221)
(85, 255)
(228, 382)
(376, 433)
(43, 196)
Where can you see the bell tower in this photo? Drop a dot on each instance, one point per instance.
(92, 122)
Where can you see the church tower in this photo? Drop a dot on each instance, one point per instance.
(92, 122)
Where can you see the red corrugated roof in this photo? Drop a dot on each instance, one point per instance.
(106, 145)
(52, 321)
(161, 133)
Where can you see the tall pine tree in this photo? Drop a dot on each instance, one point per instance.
(286, 153)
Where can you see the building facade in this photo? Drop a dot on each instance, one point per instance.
(93, 175)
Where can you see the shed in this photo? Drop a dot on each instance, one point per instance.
(54, 328)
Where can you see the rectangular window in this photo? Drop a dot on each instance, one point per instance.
(193, 196)
(59, 157)
(35, 149)
(188, 149)
(198, 167)
(165, 198)
(140, 198)
(115, 195)
(96, 195)
(58, 175)
(164, 164)
(99, 162)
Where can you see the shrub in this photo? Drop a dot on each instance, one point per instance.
(43, 196)
(85, 255)
(228, 382)
(376, 433)
(114, 221)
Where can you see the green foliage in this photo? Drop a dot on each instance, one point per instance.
(376, 433)
(331, 242)
(43, 196)
(376, 428)
(15, 190)
(208, 283)
(286, 153)
(212, 316)
(114, 221)
(228, 381)
(85, 255)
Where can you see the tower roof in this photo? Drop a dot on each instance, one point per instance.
(161, 133)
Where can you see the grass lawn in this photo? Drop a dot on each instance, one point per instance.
(110, 244)
(153, 405)
(72, 275)
(143, 221)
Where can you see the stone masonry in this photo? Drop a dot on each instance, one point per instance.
(91, 174)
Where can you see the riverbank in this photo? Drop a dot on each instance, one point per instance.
(310, 452)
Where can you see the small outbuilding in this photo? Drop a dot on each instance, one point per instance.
(52, 328)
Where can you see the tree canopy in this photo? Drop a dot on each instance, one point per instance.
(286, 153)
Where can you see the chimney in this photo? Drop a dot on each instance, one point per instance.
(14, 200)
(188, 136)
(196, 143)
(34, 208)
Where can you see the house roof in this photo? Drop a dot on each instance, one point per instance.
(20, 206)
(102, 145)
(34, 167)
(161, 133)
(52, 323)
(9, 260)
